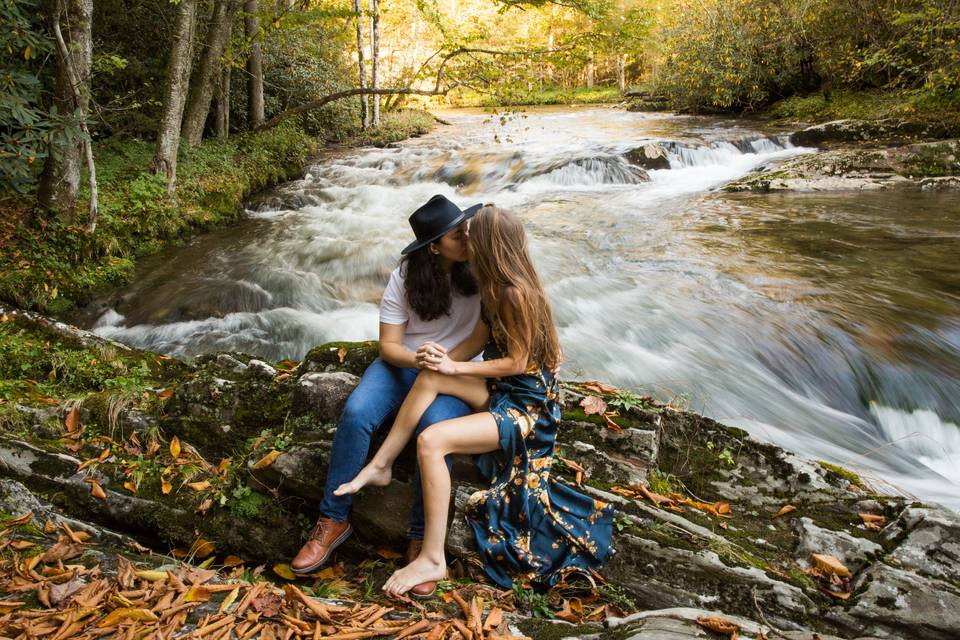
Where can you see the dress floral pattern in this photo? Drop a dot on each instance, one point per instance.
(527, 524)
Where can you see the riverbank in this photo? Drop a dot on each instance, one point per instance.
(221, 457)
(53, 268)
(542, 97)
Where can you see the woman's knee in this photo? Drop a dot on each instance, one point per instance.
(428, 379)
(431, 443)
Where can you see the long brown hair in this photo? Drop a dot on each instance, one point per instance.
(509, 284)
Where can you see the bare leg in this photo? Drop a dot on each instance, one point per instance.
(472, 434)
(425, 390)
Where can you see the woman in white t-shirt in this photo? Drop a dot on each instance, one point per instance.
(431, 297)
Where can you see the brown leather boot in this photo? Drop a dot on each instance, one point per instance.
(325, 536)
(424, 589)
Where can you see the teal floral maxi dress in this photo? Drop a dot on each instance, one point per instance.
(527, 524)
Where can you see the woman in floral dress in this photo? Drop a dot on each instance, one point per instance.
(527, 525)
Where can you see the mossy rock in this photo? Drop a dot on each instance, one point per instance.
(352, 357)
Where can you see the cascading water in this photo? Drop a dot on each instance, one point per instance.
(829, 324)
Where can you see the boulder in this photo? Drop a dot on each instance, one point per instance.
(650, 156)
(323, 394)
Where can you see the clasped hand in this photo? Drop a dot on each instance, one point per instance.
(434, 357)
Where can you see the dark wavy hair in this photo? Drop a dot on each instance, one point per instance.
(428, 289)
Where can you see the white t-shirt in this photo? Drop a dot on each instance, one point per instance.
(448, 331)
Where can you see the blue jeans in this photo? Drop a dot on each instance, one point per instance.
(378, 396)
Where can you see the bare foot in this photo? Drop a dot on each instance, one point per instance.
(419, 571)
(369, 475)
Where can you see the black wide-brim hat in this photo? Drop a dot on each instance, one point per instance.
(435, 218)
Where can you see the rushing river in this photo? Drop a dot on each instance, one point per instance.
(827, 323)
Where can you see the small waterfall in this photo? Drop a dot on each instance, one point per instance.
(723, 152)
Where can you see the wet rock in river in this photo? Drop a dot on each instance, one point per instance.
(649, 156)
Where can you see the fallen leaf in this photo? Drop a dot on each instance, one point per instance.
(164, 394)
(342, 354)
(566, 614)
(204, 506)
(197, 593)
(873, 521)
(830, 565)
(71, 420)
(24, 519)
(266, 460)
(593, 405)
(165, 487)
(151, 575)
(6, 606)
(139, 548)
(613, 426)
(229, 600)
(179, 552)
(720, 625)
(784, 510)
(284, 571)
(127, 613)
(232, 561)
(130, 486)
(202, 548)
(598, 387)
(97, 490)
(175, 447)
(268, 604)
(203, 485)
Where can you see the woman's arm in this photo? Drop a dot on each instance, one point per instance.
(474, 343)
(514, 362)
(392, 350)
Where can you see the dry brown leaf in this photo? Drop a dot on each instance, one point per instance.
(24, 519)
(165, 394)
(165, 486)
(284, 571)
(204, 506)
(873, 521)
(232, 561)
(593, 405)
(97, 490)
(202, 548)
(202, 485)
(598, 387)
(613, 426)
(175, 447)
(266, 460)
(341, 354)
(151, 575)
(197, 593)
(566, 614)
(720, 625)
(830, 565)
(71, 420)
(127, 613)
(130, 486)
(784, 510)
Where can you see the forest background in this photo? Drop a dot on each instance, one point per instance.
(125, 126)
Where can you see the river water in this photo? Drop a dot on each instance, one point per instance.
(826, 323)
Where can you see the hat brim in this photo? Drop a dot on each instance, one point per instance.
(465, 215)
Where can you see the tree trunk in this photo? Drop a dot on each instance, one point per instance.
(204, 81)
(223, 104)
(621, 71)
(590, 71)
(60, 181)
(364, 99)
(375, 57)
(175, 94)
(255, 113)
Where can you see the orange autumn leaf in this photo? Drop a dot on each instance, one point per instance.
(165, 394)
(71, 420)
(97, 490)
(342, 354)
(24, 519)
(266, 460)
(598, 387)
(175, 447)
(784, 510)
(284, 571)
(720, 625)
(166, 487)
(593, 405)
(202, 485)
(872, 521)
(830, 565)
(202, 548)
(130, 486)
(197, 593)
(613, 426)
(232, 561)
(566, 614)
(127, 613)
